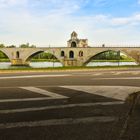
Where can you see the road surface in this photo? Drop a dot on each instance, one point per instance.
(88, 105)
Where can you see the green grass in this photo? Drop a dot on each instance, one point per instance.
(128, 60)
(4, 60)
(33, 60)
(55, 60)
(44, 60)
(69, 68)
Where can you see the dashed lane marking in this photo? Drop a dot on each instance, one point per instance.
(65, 121)
(44, 92)
(114, 92)
(59, 107)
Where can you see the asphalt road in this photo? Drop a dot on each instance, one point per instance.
(88, 105)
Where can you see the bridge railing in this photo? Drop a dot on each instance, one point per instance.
(116, 46)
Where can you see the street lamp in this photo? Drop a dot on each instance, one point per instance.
(118, 54)
(53, 58)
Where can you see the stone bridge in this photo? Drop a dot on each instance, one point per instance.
(68, 56)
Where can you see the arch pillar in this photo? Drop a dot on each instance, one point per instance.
(19, 62)
(70, 62)
(17, 59)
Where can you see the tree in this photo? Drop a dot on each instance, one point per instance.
(32, 46)
(11, 46)
(2, 46)
(27, 45)
(24, 45)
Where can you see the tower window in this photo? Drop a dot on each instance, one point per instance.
(73, 44)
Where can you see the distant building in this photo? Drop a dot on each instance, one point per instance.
(75, 42)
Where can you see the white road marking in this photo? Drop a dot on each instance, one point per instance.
(126, 72)
(115, 73)
(97, 74)
(118, 73)
(129, 78)
(135, 73)
(65, 121)
(44, 92)
(58, 107)
(116, 92)
(29, 99)
(33, 76)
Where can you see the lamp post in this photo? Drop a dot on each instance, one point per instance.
(53, 58)
(118, 54)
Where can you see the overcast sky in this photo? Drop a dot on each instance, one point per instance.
(50, 22)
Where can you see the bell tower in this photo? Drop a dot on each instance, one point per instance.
(74, 35)
(75, 42)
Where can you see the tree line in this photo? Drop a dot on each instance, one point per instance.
(3, 56)
(26, 45)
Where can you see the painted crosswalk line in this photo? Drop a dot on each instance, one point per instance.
(44, 92)
(64, 121)
(29, 99)
(115, 92)
(59, 107)
(50, 95)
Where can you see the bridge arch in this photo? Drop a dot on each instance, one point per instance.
(6, 54)
(88, 59)
(30, 56)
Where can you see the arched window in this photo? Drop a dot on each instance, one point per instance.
(17, 54)
(80, 53)
(71, 54)
(73, 45)
(62, 53)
